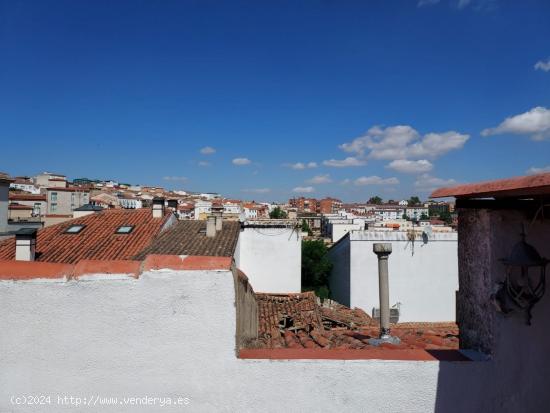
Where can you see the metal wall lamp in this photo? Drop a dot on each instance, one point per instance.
(525, 281)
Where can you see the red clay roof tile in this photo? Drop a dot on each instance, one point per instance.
(97, 241)
(299, 321)
(519, 186)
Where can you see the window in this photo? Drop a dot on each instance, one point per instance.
(124, 229)
(53, 207)
(74, 229)
(53, 197)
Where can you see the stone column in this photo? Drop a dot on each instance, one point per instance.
(383, 251)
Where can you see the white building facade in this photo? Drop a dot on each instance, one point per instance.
(25, 186)
(202, 208)
(130, 203)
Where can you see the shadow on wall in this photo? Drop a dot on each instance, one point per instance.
(515, 380)
(517, 376)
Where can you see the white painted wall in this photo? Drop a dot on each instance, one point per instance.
(26, 187)
(271, 258)
(424, 283)
(173, 334)
(202, 207)
(130, 203)
(338, 230)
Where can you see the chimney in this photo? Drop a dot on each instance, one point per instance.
(211, 226)
(25, 244)
(5, 182)
(173, 203)
(158, 207)
(217, 212)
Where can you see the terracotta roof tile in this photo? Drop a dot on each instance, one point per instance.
(27, 197)
(299, 321)
(97, 241)
(519, 186)
(19, 206)
(189, 238)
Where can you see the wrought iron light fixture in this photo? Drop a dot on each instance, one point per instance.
(525, 280)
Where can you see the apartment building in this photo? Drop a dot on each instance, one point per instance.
(37, 202)
(438, 207)
(304, 204)
(388, 212)
(48, 179)
(416, 212)
(62, 201)
(329, 205)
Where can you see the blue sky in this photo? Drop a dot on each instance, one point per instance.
(349, 99)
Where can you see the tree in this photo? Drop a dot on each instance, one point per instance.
(306, 228)
(277, 213)
(414, 201)
(316, 267)
(376, 200)
(446, 216)
(423, 216)
(405, 216)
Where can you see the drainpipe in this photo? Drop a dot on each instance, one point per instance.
(383, 251)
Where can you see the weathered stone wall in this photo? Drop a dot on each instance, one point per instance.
(475, 314)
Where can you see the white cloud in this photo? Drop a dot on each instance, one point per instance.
(534, 170)
(346, 181)
(463, 3)
(428, 183)
(304, 189)
(344, 163)
(175, 178)
(208, 150)
(241, 161)
(204, 163)
(257, 190)
(301, 165)
(422, 3)
(542, 65)
(320, 179)
(535, 122)
(375, 180)
(404, 142)
(411, 167)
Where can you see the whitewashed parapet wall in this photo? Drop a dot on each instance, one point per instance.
(423, 276)
(271, 258)
(171, 333)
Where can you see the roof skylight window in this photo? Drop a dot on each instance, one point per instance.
(74, 229)
(124, 229)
